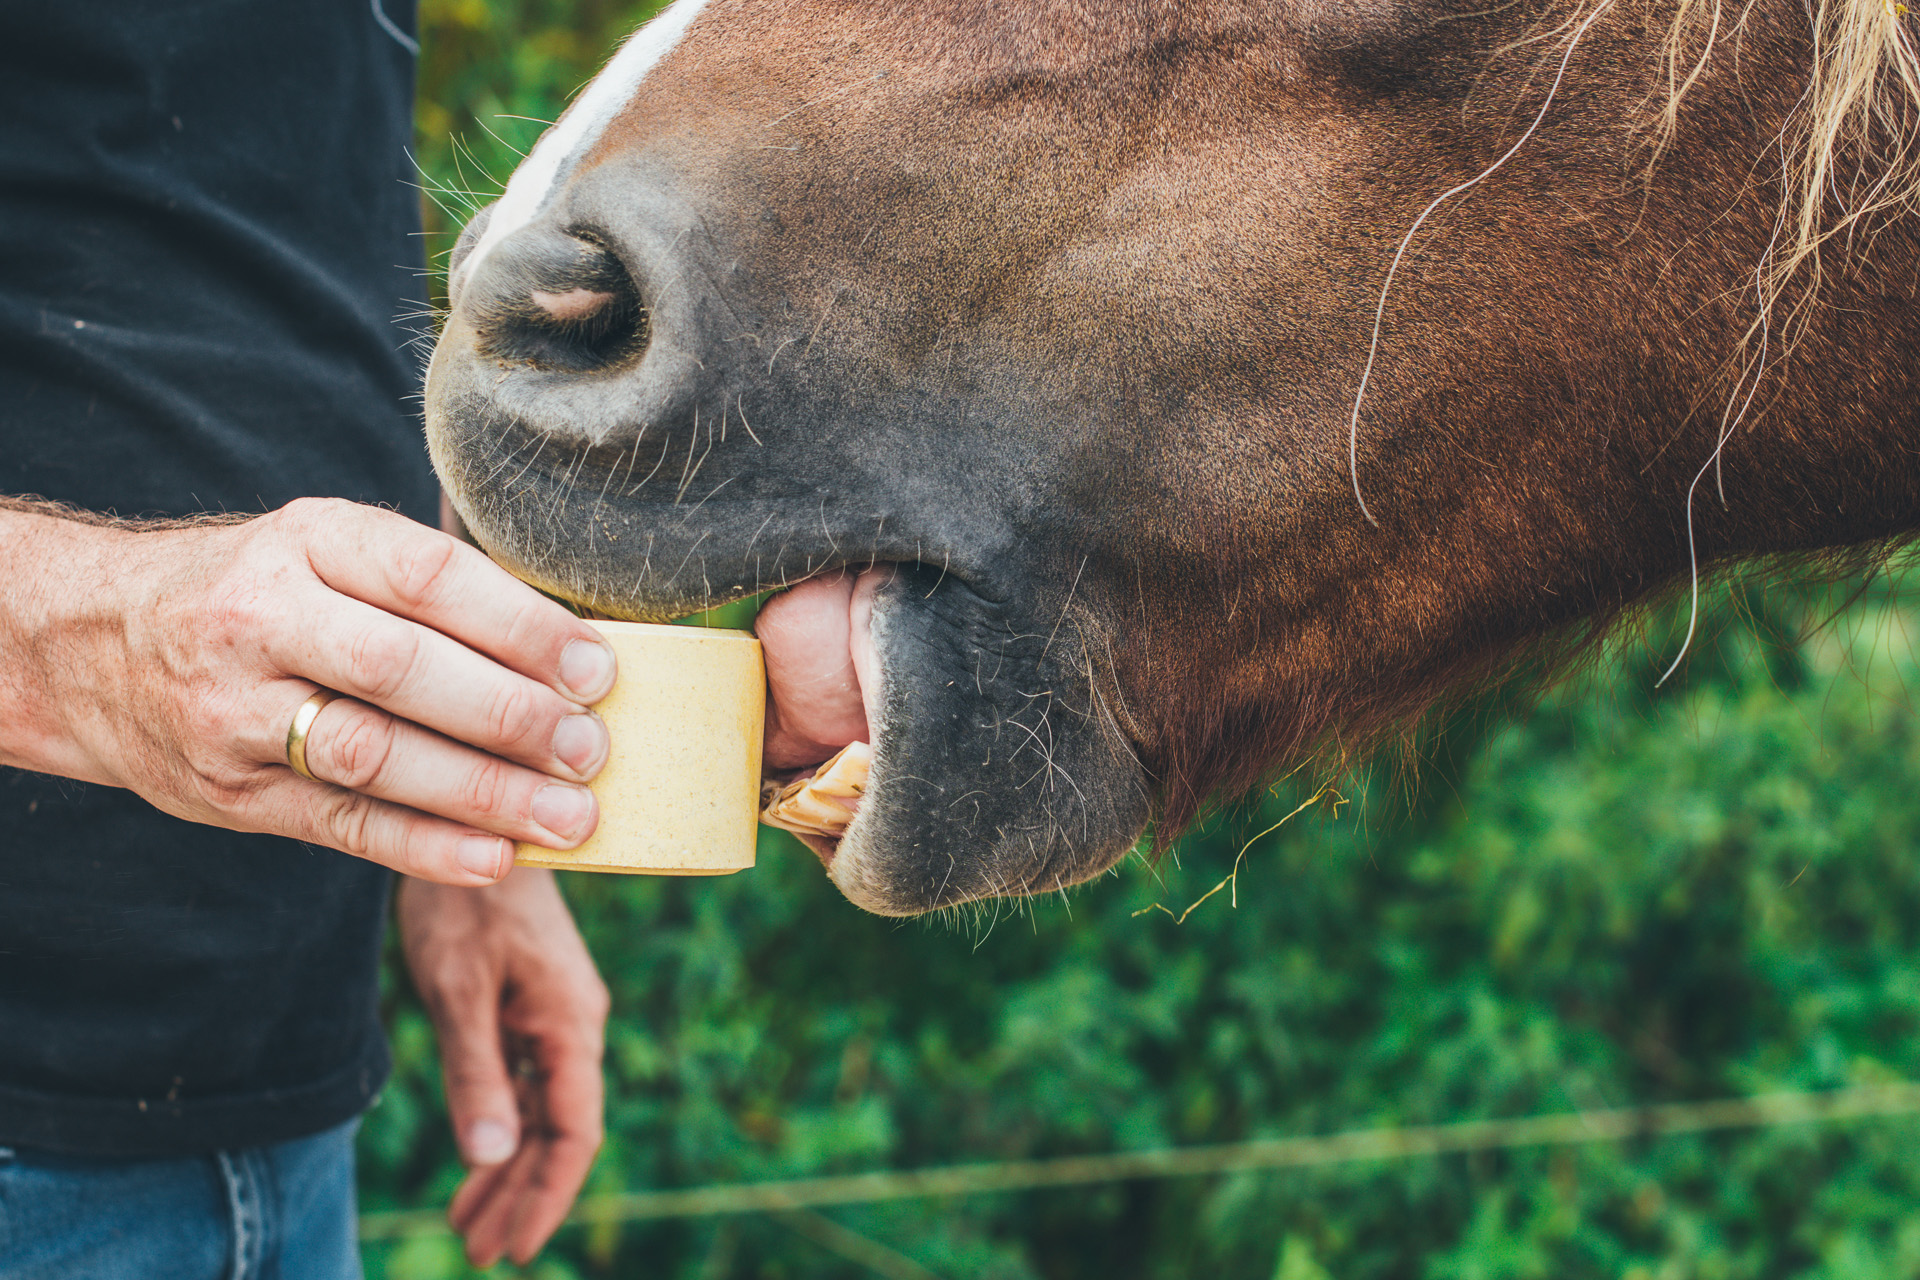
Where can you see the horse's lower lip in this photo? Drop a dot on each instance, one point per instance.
(823, 848)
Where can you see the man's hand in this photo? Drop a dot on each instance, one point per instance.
(520, 1013)
(171, 661)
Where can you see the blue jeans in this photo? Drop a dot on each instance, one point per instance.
(284, 1212)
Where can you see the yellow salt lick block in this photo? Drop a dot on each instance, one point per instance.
(680, 794)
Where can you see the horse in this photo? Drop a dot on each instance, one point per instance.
(1135, 398)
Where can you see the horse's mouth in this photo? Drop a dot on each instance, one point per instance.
(996, 767)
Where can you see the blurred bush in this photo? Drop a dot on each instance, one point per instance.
(1605, 896)
(1611, 898)
(493, 75)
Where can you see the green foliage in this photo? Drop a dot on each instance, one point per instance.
(1612, 896)
(493, 74)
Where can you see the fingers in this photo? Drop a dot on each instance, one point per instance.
(397, 566)
(515, 1209)
(412, 843)
(363, 749)
(423, 676)
(480, 1096)
(485, 1209)
(551, 1190)
(573, 1106)
(476, 1190)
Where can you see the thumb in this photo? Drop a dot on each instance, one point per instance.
(480, 1099)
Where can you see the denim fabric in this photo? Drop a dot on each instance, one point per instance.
(284, 1212)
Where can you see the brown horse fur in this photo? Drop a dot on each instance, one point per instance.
(1145, 241)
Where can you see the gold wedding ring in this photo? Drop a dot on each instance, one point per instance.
(297, 732)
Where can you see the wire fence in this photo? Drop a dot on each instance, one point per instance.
(794, 1199)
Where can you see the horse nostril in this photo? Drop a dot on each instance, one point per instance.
(560, 302)
(575, 304)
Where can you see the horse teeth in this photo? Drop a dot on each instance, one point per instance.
(823, 804)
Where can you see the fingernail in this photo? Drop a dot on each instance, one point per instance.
(563, 810)
(581, 743)
(489, 1142)
(587, 668)
(483, 855)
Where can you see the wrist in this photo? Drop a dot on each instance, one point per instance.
(59, 613)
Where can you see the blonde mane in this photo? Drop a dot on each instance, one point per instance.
(1849, 154)
(1849, 160)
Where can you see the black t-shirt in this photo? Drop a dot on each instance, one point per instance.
(208, 241)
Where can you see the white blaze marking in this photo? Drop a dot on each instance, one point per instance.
(577, 130)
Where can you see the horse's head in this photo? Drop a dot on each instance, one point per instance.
(1048, 319)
